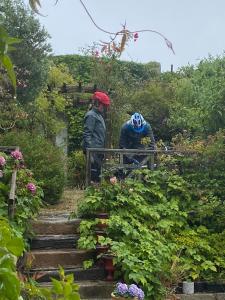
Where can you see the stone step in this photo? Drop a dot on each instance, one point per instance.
(53, 258)
(55, 225)
(202, 296)
(56, 241)
(45, 275)
(94, 289)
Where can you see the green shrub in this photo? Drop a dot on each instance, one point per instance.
(151, 231)
(76, 169)
(43, 158)
(11, 247)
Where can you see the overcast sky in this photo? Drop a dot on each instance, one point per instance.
(196, 28)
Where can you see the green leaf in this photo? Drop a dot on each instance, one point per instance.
(16, 246)
(7, 63)
(57, 286)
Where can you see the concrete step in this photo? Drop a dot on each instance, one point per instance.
(56, 241)
(45, 275)
(94, 289)
(53, 258)
(55, 225)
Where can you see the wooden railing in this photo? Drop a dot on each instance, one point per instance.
(117, 156)
(12, 192)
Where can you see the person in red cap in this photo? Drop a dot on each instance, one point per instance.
(95, 131)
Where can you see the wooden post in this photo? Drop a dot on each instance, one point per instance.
(152, 161)
(12, 196)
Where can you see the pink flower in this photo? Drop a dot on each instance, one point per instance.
(31, 187)
(113, 180)
(17, 155)
(2, 161)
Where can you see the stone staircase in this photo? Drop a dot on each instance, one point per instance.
(54, 244)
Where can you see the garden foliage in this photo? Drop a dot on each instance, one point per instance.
(162, 227)
(44, 159)
(28, 192)
(30, 57)
(11, 247)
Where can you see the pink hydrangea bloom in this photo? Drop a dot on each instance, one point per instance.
(31, 187)
(2, 161)
(17, 155)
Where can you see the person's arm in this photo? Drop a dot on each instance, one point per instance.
(123, 138)
(123, 143)
(89, 125)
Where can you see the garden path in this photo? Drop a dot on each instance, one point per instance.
(55, 243)
(68, 203)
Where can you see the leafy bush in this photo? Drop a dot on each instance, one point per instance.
(28, 193)
(11, 247)
(76, 169)
(205, 172)
(151, 233)
(43, 158)
(65, 289)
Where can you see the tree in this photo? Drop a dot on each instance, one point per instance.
(153, 101)
(199, 98)
(30, 57)
(6, 43)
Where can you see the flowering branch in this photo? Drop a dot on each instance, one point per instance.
(111, 46)
(126, 35)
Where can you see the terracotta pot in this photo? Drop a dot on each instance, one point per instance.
(109, 267)
(102, 225)
(102, 215)
(122, 298)
(101, 249)
(100, 233)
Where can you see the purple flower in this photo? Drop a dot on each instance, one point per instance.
(31, 187)
(17, 155)
(121, 288)
(2, 161)
(141, 294)
(133, 290)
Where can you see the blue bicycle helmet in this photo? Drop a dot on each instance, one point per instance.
(137, 122)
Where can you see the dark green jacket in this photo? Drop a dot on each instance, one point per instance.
(94, 130)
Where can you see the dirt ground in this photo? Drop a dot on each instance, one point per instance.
(68, 203)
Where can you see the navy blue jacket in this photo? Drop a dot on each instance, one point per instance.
(129, 139)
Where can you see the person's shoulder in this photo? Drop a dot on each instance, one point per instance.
(126, 125)
(147, 126)
(91, 112)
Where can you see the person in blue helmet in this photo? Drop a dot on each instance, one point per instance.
(131, 135)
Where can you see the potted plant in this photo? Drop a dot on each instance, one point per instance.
(188, 287)
(123, 291)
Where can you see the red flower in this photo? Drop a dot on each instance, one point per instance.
(135, 36)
